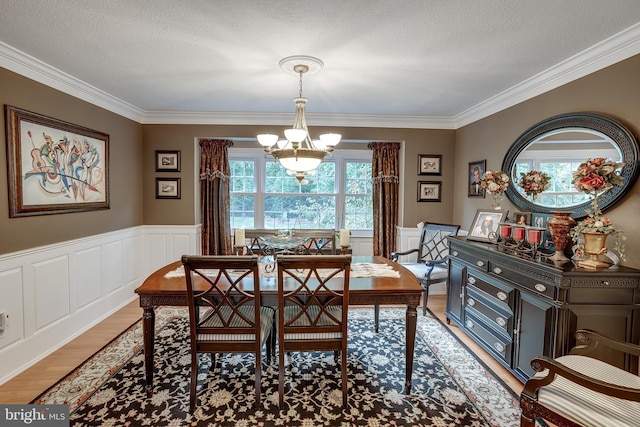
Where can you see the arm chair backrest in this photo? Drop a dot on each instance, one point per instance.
(319, 241)
(313, 300)
(256, 246)
(433, 241)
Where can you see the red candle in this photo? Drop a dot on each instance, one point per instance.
(505, 230)
(534, 236)
(518, 233)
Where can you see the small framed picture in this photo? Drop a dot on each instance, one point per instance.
(167, 161)
(484, 227)
(429, 164)
(540, 220)
(476, 170)
(522, 218)
(167, 188)
(429, 191)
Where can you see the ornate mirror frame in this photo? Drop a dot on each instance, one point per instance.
(617, 132)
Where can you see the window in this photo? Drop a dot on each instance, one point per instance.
(338, 195)
(562, 192)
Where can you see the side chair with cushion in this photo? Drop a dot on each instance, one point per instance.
(256, 246)
(313, 301)
(576, 390)
(430, 265)
(225, 313)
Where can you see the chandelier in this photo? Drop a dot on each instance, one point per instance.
(298, 153)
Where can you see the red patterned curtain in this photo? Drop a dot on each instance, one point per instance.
(214, 196)
(386, 172)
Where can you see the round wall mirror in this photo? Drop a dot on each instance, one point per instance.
(557, 146)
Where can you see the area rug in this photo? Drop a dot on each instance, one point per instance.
(450, 386)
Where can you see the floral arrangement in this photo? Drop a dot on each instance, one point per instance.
(495, 182)
(597, 175)
(534, 182)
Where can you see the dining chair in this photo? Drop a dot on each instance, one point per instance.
(319, 241)
(313, 301)
(256, 245)
(225, 311)
(576, 390)
(430, 265)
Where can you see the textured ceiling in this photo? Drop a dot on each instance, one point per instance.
(386, 61)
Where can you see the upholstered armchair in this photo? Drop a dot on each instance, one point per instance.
(577, 390)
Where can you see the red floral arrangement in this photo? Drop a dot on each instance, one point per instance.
(597, 175)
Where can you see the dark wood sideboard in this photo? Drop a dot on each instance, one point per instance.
(518, 308)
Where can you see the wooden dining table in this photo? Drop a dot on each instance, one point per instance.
(164, 289)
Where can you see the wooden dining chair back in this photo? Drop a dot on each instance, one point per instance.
(430, 265)
(313, 300)
(319, 241)
(225, 311)
(576, 390)
(255, 245)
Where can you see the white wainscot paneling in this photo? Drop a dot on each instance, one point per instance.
(157, 249)
(132, 247)
(11, 305)
(361, 246)
(112, 273)
(51, 291)
(86, 267)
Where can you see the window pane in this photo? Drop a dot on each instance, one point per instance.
(358, 213)
(288, 212)
(242, 176)
(358, 178)
(241, 211)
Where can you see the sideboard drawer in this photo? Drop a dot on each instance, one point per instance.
(479, 263)
(499, 318)
(494, 342)
(499, 295)
(521, 278)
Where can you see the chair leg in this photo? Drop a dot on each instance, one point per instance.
(345, 381)
(280, 377)
(376, 316)
(425, 297)
(258, 374)
(194, 380)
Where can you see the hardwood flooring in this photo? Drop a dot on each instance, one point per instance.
(29, 384)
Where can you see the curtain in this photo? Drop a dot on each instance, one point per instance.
(214, 196)
(386, 171)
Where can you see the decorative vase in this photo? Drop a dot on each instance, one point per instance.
(497, 200)
(560, 225)
(594, 246)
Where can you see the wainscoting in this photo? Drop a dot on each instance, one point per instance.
(51, 294)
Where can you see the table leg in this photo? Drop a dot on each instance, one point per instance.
(411, 320)
(148, 330)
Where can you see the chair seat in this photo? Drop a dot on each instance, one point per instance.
(568, 399)
(291, 311)
(266, 317)
(420, 270)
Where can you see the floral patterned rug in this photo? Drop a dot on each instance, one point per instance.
(450, 386)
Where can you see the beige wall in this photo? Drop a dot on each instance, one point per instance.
(614, 91)
(125, 168)
(183, 137)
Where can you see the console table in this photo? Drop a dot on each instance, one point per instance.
(518, 308)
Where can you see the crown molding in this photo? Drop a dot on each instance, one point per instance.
(616, 48)
(608, 52)
(28, 66)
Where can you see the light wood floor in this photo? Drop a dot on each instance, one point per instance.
(30, 383)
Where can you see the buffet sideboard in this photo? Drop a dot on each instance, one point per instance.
(518, 308)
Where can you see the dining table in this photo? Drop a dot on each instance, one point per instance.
(374, 280)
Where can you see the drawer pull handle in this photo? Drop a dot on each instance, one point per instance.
(471, 302)
(499, 347)
(540, 287)
(497, 270)
(480, 263)
(471, 280)
(469, 324)
(501, 296)
(500, 321)
(605, 282)
(454, 253)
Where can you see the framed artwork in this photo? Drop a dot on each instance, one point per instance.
(476, 170)
(429, 191)
(54, 167)
(167, 188)
(167, 161)
(522, 218)
(429, 164)
(484, 227)
(546, 243)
